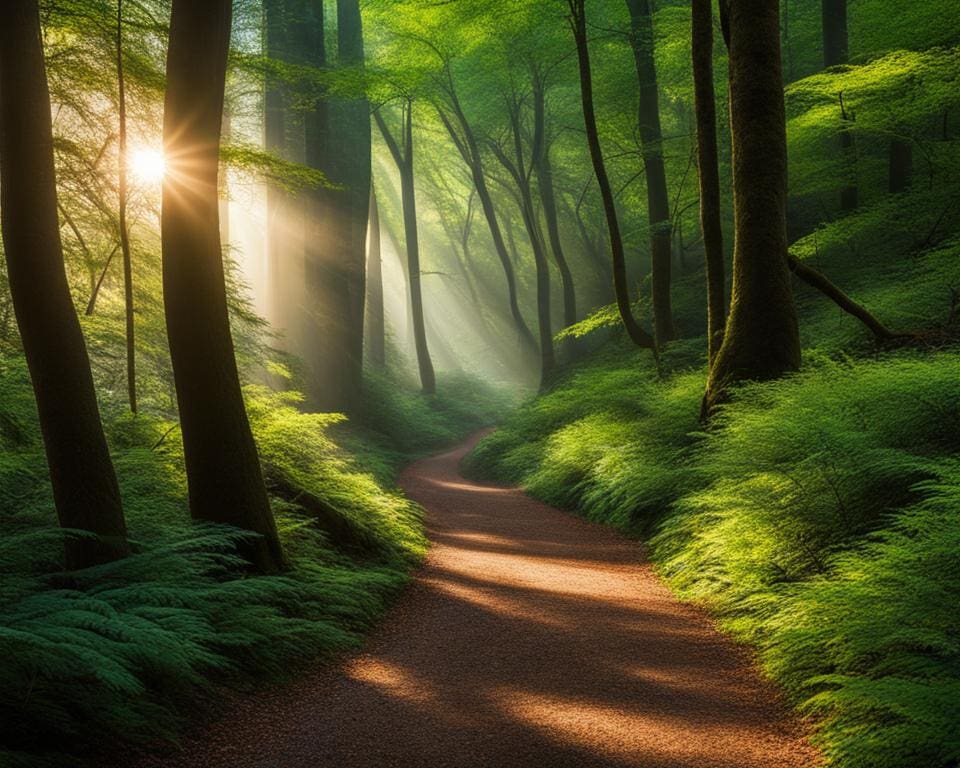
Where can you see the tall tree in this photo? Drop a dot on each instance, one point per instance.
(548, 202)
(403, 157)
(375, 325)
(708, 165)
(223, 470)
(835, 52)
(761, 339)
(520, 170)
(85, 489)
(578, 25)
(464, 138)
(651, 147)
(124, 230)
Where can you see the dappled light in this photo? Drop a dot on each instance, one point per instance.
(479, 384)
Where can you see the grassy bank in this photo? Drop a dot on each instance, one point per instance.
(122, 653)
(819, 519)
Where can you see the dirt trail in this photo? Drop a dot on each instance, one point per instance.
(530, 638)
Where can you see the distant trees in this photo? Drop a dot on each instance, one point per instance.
(223, 470)
(375, 323)
(403, 155)
(85, 489)
(761, 339)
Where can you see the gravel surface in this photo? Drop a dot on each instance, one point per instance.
(529, 638)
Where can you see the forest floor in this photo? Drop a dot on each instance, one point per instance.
(531, 638)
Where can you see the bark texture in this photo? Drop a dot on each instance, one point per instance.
(223, 470)
(761, 340)
(84, 484)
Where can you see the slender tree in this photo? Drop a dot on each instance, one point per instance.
(835, 52)
(761, 339)
(578, 24)
(223, 470)
(548, 201)
(708, 165)
(464, 138)
(375, 326)
(85, 489)
(651, 147)
(520, 171)
(403, 157)
(124, 229)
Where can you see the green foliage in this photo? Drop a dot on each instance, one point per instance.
(818, 518)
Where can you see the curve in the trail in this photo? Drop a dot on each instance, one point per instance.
(529, 638)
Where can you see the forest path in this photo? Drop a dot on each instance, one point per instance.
(529, 638)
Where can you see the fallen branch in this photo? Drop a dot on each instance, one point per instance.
(816, 279)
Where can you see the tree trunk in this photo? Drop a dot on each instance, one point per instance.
(761, 339)
(223, 470)
(470, 151)
(835, 44)
(404, 161)
(85, 488)
(651, 145)
(636, 333)
(548, 201)
(355, 141)
(517, 168)
(376, 326)
(124, 230)
(901, 165)
(709, 167)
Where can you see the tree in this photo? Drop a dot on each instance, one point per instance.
(124, 230)
(761, 339)
(462, 134)
(836, 52)
(85, 489)
(708, 165)
(403, 157)
(651, 144)
(375, 330)
(578, 24)
(520, 172)
(223, 470)
(548, 202)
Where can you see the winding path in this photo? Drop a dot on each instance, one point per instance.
(529, 638)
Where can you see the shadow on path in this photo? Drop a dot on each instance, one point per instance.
(529, 638)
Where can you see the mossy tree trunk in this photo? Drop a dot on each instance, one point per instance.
(223, 470)
(85, 489)
(761, 339)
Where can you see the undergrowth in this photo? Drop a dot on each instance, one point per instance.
(819, 518)
(118, 653)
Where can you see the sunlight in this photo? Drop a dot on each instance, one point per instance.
(148, 166)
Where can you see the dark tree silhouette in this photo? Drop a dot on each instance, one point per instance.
(223, 469)
(85, 488)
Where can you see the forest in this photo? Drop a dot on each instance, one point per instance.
(479, 383)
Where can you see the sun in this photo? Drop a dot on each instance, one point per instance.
(148, 165)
